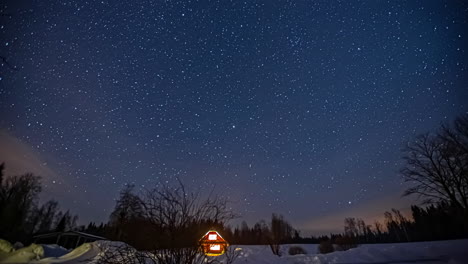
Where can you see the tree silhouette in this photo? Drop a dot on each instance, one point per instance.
(280, 232)
(20, 215)
(437, 165)
(2, 167)
(17, 197)
(127, 213)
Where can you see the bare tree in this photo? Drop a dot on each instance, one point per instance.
(378, 228)
(18, 195)
(65, 221)
(392, 226)
(179, 218)
(2, 167)
(280, 232)
(350, 227)
(362, 229)
(127, 213)
(437, 165)
(455, 154)
(42, 218)
(402, 222)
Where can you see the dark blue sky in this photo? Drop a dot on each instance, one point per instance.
(293, 107)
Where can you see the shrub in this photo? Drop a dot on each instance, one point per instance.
(325, 247)
(345, 242)
(296, 250)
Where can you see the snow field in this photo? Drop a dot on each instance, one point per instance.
(436, 252)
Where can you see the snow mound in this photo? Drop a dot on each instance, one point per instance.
(82, 254)
(5, 247)
(23, 255)
(96, 252)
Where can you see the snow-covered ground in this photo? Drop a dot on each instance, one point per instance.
(453, 252)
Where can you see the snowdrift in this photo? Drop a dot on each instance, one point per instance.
(452, 252)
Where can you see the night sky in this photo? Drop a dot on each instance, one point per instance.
(294, 107)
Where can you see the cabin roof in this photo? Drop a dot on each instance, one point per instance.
(205, 237)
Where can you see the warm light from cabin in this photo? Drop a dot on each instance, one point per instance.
(215, 247)
(212, 237)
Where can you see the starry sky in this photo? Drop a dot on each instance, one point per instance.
(294, 107)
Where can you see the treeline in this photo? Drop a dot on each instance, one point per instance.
(171, 217)
(21, 216)
(259, 234)
(440, 221)
(138, 219)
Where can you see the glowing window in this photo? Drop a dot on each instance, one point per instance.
(212, 237)
(215, 247)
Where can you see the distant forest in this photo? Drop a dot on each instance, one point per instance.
(433, 222)
(167, 217)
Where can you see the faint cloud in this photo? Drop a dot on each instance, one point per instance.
(20, 158)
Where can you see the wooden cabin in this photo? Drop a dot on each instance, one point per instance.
(213, 244)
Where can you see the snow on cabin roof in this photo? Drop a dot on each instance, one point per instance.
(212, 231)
